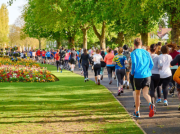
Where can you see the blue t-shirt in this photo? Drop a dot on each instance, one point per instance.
(120, 59)
(142, 63)
(48, 54)
(54, 53)
(30, 53)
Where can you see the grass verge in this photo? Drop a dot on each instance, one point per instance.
(66, 106)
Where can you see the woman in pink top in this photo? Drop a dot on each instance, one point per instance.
(110, 67)
(66, 59)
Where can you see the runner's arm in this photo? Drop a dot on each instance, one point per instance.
(175, 61)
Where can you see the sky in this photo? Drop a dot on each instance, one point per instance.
(15, 9)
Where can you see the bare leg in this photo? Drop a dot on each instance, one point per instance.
(137, 101)
(146, 95)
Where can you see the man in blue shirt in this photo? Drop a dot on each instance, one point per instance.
(142, 65)
(48, 55)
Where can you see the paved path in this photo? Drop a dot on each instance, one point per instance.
(165, 121)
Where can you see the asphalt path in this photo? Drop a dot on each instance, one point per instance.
(165, 121)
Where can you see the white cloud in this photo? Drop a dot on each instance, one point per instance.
(15, 9)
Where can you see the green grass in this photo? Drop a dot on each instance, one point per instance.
(67, 106)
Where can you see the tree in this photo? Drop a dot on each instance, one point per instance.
(142, 16)
(172, 8)
(4, 26)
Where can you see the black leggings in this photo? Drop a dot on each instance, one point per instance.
(110, 70)
(132, 81)
(120, 73)
(97, 69)
(57, 64)
(172, 81)
(155, 78)
(164, 82)
(85, 70)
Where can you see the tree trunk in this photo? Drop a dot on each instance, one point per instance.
(39, 43)
(175, 24)
(71, 42)
(84, 38)
(102, 37)
(144, 38)
(120, 39)
(58, 44)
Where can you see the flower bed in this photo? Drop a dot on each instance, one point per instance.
(21, 73)
(25, 62)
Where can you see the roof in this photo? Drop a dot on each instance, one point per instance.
(163, 31)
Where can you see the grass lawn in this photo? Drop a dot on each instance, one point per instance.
(66, 106)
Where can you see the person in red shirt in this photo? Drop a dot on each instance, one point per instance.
(38, 53)
(57, 57)
(43, 55)
(173, 53)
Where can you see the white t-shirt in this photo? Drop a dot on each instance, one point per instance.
(97, 58)
(33, 53)
(164, 63)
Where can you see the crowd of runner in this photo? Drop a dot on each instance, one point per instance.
(150, 69)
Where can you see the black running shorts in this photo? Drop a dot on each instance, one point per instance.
(140, 83)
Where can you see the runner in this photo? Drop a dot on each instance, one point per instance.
(48, 55)
(97, 58)
(173, 63)
(119, 61)
(103, 64)
(38, 53)
(165, 73)
(57, 57)
(173, 53)
(33, 55)
(62, 54)
(110, 67)
(142, 65)
(85, 59)
(127, 54)
(67, 60)
(155, 78)
(43, 56)
(73, 59)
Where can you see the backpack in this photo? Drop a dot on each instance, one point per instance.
(176, 76)
(127, 54)
(62, 54)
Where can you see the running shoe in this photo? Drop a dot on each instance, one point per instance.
(124, 86)
(119, 93)
(57, 70)
(154, 109)
(151, 110)
(122, 90)
(127, 87)
(158, 100)
(98, 82)
(102, 77)
(87, 79)
(165, 103)
(110, 82)
(115, 77)
(136, 114)
(84, 80)
(173, 95)
(171, 90)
